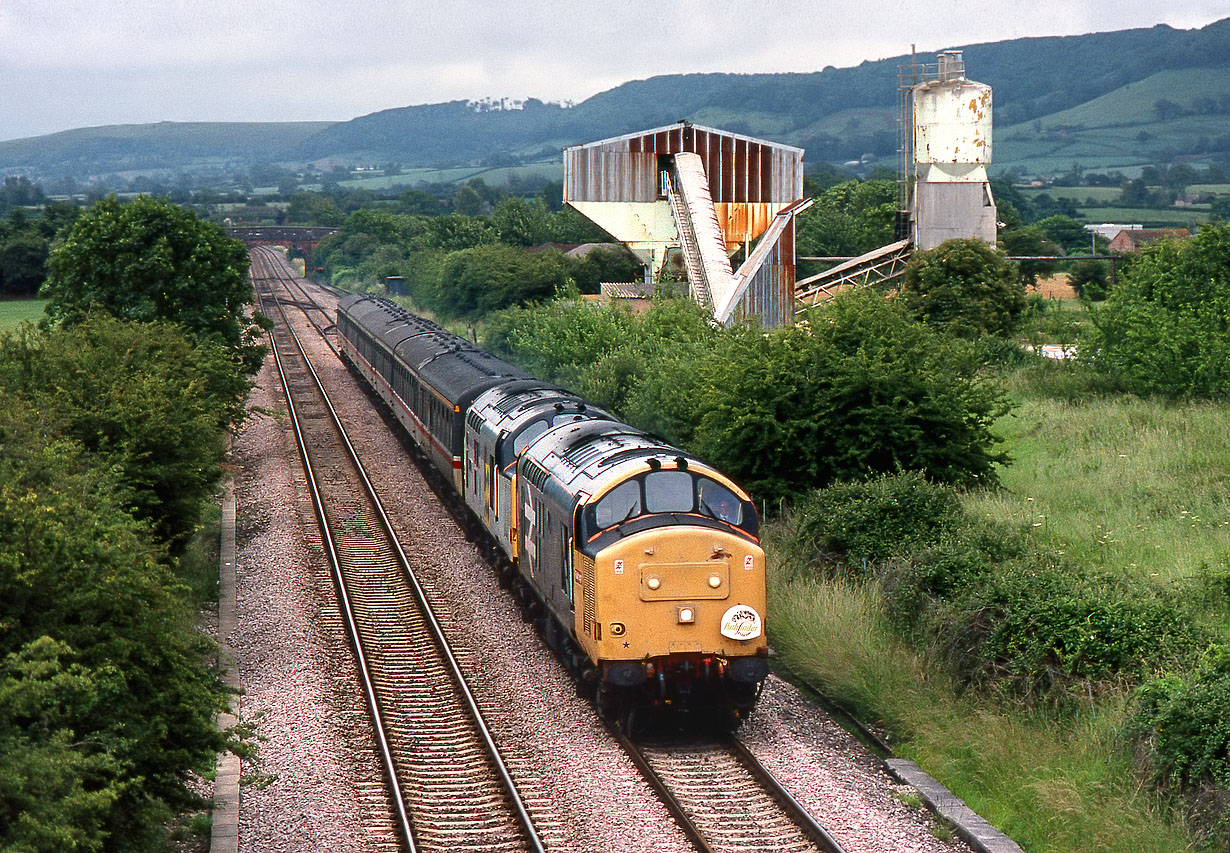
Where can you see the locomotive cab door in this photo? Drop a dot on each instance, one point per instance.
(565, 573)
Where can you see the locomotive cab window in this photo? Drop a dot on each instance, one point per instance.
(619, 504)
(669, 491)
(719, 502)
(664, 493)
(522, 440)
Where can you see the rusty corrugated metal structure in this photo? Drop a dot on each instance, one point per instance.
(619, 184)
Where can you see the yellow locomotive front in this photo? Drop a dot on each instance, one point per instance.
(670, 589)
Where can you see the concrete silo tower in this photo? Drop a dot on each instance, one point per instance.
(951, 152)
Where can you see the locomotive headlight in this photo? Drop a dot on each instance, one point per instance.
(715, 581)
(686, 615)
(653, 582)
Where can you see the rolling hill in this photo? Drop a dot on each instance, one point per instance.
(1106, 100)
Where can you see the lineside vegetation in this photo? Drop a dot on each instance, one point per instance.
(112, 432)
(904, 588)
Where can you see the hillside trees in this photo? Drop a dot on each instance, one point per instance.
(150, 260)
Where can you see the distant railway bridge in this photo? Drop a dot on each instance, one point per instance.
(300, 238)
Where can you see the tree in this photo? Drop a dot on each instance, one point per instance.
(314, 209)
(143, 399)
(467, 201)
(1089, 279)
(420, 203)
(965, 287)
(19, 192)
(1163, 329)
(848, 219)
(107, 702)
(1030, 240)
(22, 259)
(521, 223)
(487, 278)
(861, 389)
(1066, 231)
(150, 260)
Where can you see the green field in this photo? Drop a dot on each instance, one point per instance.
(1134, 104)
(1150, 217)
(14, 311)
(492, 175)
(1077, 194)
(1121, 130)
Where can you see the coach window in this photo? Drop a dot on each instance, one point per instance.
(669, 491)
(619, 504)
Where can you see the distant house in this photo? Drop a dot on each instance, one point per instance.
(1130, 240)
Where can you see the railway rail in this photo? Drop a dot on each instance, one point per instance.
(449, 788)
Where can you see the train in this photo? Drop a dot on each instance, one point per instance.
(639, 563)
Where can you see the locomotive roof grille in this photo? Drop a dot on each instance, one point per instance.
(589, 447)
(535, 473)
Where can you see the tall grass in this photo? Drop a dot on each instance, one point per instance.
(1055, 786)
(1128, 484)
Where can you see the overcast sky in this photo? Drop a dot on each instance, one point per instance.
(79, 63)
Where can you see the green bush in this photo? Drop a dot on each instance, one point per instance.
(861, 389)
(1037, 627)
(1182, 724)
(964, 287)
(477, 281)
(1090, 279)
(611, 357)
(143, 399)
(1164, 328)
(873, 520)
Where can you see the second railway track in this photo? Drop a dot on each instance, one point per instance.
(725, 800)
(449, 781)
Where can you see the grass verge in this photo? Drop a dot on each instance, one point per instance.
(1055, 786)
(198, 567)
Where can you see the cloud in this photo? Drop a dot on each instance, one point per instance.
(72, 63)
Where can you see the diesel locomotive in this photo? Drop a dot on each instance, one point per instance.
(640, 564)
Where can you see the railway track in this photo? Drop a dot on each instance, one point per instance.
(723, 798)
(719, 794)
(448, 785)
